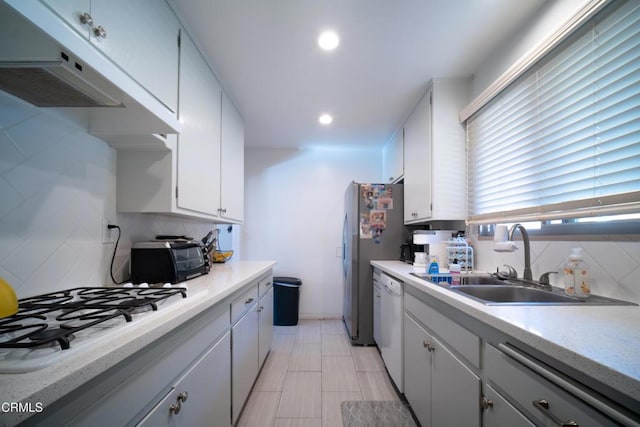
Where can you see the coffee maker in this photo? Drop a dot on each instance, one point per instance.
(408, 250)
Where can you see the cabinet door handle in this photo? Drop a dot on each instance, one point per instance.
(486, 403)
(100, 32)
(543, 406)
(428, 346)
(86, 19)
(249, 301)
(182, 397)
(259, 309)
(175, 408)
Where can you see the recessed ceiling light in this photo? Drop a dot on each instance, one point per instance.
(325, 119)
(328, 40)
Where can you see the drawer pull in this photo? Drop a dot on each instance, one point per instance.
(543, 406)
(182, 397)
(561, 382)
(249, 301)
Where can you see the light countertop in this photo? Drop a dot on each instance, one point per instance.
(51, 382)
(601, 341)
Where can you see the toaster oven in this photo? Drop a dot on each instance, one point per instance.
(167, 261)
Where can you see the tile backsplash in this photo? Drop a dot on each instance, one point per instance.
(57, 183)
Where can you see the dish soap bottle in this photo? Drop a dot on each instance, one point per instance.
(434, 267)
(576, 275)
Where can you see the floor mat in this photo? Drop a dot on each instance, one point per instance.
(376, 413)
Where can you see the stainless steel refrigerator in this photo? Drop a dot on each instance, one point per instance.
(373, 230)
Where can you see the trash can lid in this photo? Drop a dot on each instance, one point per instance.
(281, 280)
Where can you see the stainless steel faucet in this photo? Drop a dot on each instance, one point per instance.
(526, 275)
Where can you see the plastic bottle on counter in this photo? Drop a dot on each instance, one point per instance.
(454, 269)
(434, 267)
(576, 275)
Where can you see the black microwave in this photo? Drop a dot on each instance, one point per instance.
(167, 261)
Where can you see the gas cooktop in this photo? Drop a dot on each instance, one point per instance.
(48, 326)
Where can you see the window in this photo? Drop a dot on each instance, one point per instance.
(563, 140)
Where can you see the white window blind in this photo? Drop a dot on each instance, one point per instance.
(564, 138)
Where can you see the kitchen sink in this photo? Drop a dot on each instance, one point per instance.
(491, 290)
(506, 294)
(476, 279)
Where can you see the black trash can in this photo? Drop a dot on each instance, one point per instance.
(286, 300)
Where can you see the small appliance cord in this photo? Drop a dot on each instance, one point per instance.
(113, 256)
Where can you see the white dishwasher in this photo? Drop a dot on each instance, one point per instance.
(391, 312)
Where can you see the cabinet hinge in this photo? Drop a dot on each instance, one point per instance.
(176, 191)
(179, 38)
(430, 98)
(430, 207)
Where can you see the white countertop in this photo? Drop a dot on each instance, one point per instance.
(50, 383)
(601, 341)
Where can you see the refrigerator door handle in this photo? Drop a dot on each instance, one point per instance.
(345, 236)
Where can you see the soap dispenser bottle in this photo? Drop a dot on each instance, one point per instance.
(576, 275)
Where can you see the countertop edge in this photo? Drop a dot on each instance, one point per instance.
(495, 317)
(48, 384)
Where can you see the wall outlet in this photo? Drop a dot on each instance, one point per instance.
(108, 235)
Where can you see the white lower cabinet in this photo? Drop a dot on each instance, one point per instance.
(244, 359)
(201, 397)
(539, 397)
(499, 412)
(440, 386)
(265, 336)
(251, 335)
(441, 390)
(377, 301)
(193, 376)
(417, 368)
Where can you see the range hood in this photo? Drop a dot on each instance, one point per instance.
(64, 83)
(49, 64)
(40, 71)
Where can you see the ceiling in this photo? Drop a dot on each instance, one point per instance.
(266, 56)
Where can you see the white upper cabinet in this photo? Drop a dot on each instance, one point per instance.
(417, 162)
(232, 163)
(141, 37)
(434, 155)
(199, 173)
(199, 143)
(393, 158)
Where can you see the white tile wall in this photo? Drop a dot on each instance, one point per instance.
(57, 183)
(614, 266)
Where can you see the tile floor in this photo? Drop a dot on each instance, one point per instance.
(312, 367)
